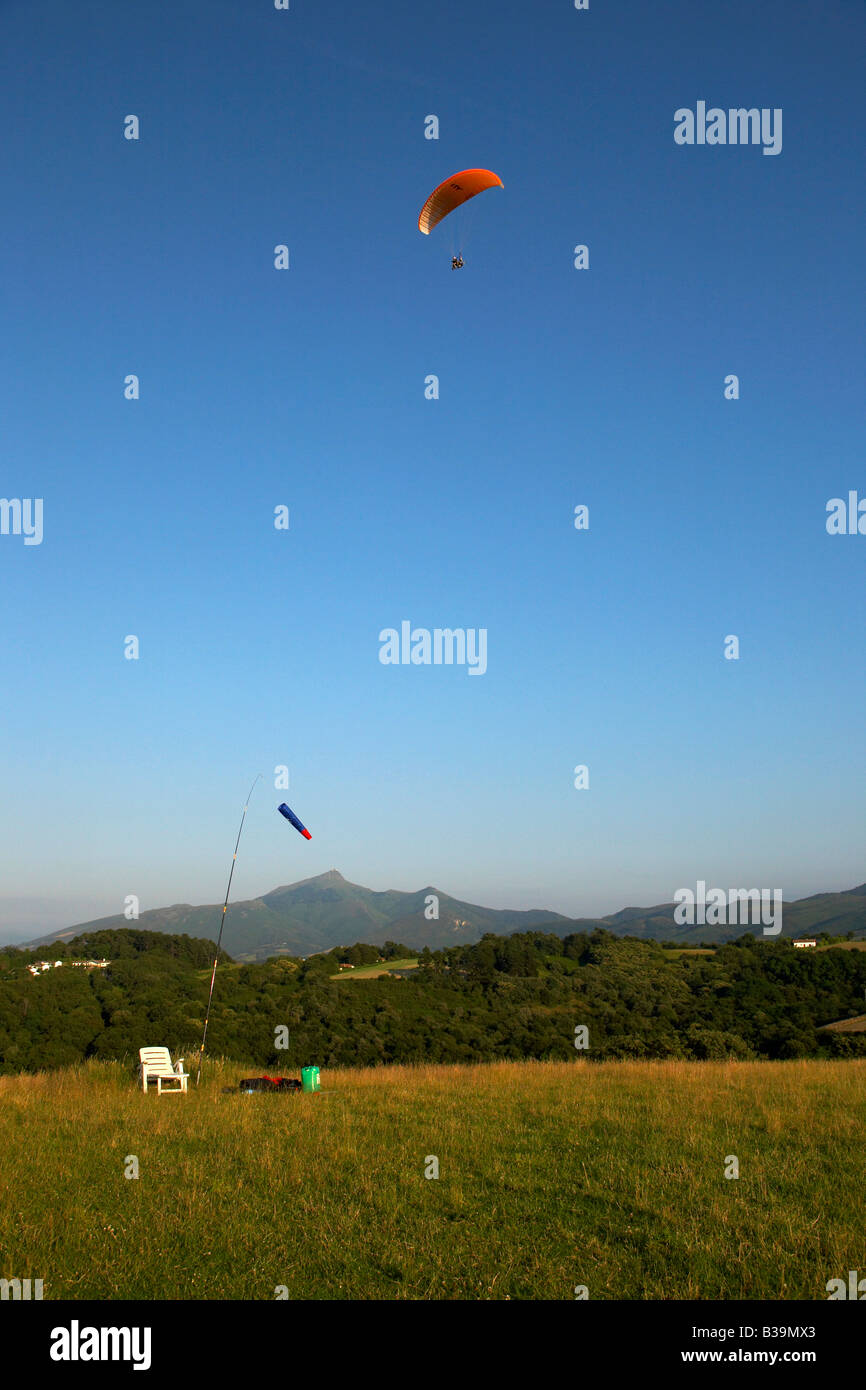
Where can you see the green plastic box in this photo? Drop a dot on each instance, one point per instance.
(310, 1079)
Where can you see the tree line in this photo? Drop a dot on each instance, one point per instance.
(528, 995)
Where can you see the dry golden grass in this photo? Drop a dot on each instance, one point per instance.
(551, 1175)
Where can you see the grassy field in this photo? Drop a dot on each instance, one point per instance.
(846, 1025)
(372, 972)
(551, 1175)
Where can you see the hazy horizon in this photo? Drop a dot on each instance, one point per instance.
(14, 936)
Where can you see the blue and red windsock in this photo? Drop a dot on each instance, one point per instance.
(289, 814)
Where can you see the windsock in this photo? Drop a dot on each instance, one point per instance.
(289, 814)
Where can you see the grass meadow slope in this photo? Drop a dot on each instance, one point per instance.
(551, 1175)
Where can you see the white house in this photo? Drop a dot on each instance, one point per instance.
(805, 941)
(42, 965)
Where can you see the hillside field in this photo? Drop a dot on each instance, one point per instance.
(551, 1175)
(376, 972)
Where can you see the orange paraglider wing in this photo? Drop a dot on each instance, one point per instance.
(454, 191)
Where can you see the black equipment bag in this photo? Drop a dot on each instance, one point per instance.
(268, 1083)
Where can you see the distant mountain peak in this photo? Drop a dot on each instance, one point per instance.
(327, 910)
(330, 876)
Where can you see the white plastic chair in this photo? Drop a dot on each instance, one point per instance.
(156, 1063)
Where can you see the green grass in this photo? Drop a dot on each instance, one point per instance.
(551, 1175)
(372, 972)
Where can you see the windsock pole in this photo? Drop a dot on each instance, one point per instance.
(222, 924)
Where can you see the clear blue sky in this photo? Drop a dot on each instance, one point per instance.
(306, 387)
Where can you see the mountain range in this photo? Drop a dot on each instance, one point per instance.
(317, 914)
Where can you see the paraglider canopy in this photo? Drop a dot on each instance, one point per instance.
(459, 188)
